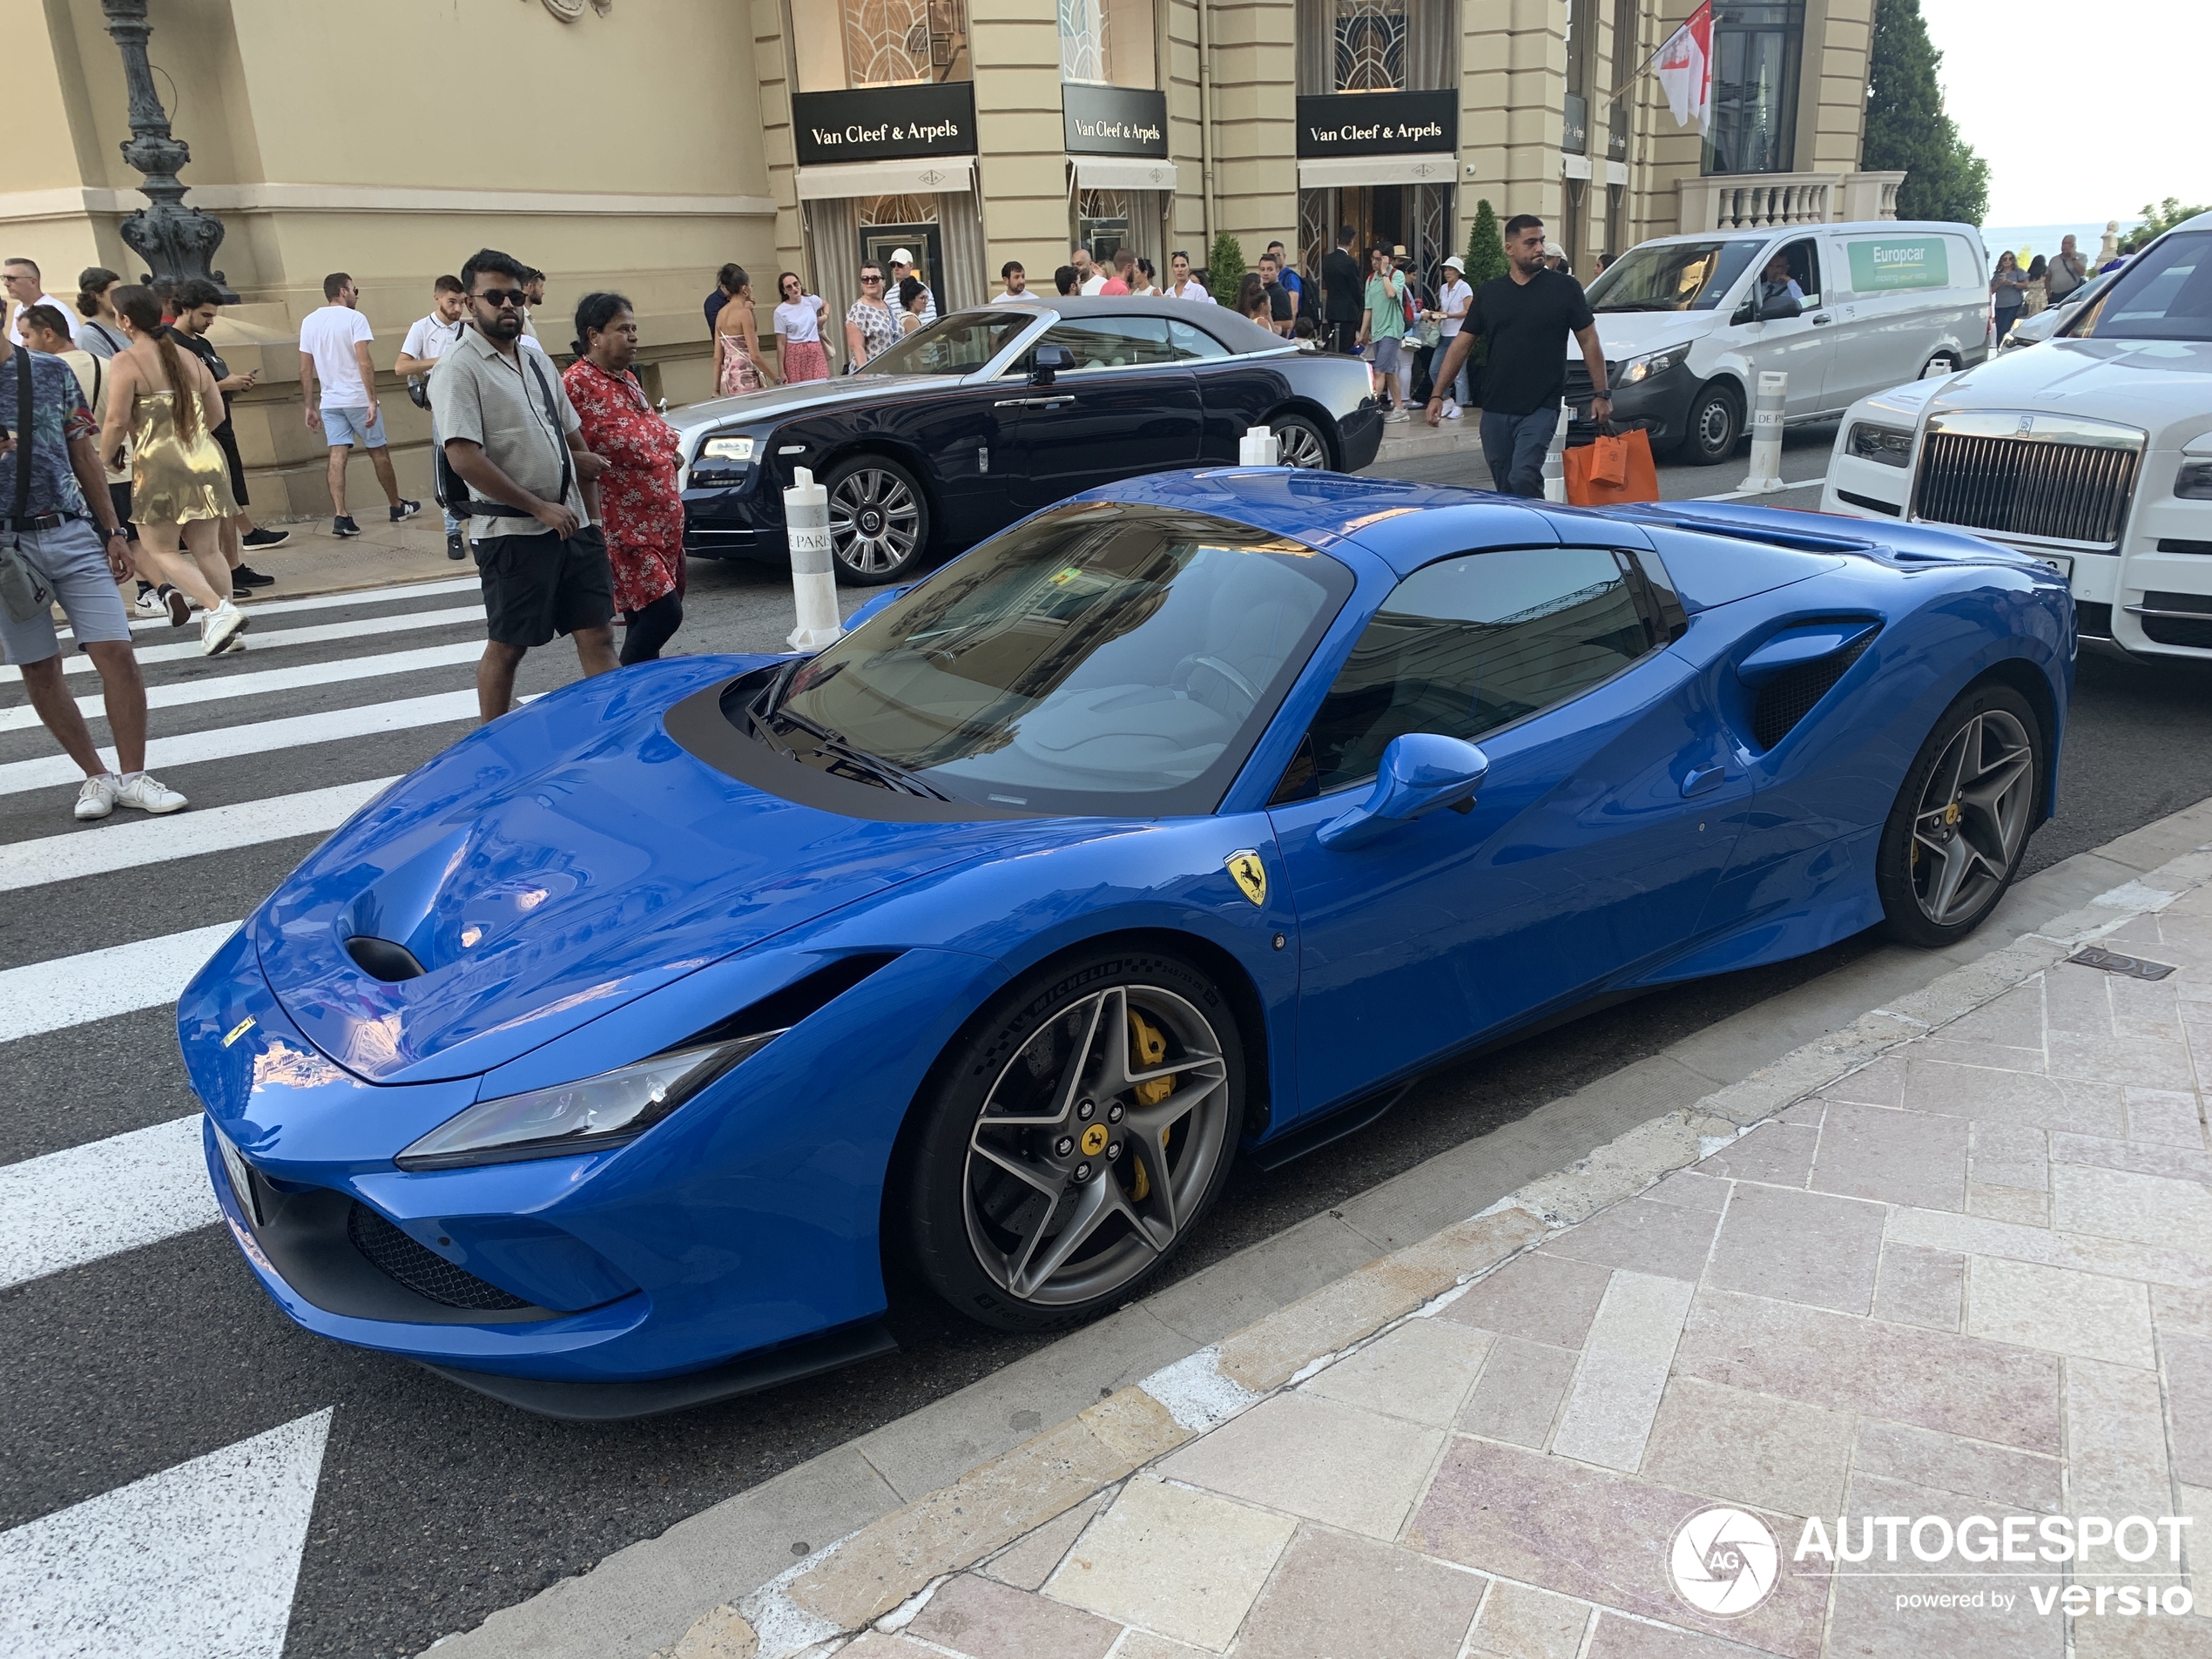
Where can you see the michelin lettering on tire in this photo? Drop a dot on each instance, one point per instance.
(1724, 1562)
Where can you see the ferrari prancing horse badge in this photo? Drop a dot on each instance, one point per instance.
(1250, 874)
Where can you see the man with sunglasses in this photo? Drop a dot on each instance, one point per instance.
(509, 432)
(870, 327)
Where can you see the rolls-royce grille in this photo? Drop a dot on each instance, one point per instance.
(421, 1269)
(2060, 492)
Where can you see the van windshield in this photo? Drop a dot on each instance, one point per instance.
(2164, 292)
(1673, 276)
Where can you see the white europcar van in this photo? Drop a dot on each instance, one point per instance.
(2092, 452)
(1687, 333)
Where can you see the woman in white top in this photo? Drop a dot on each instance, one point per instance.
(1147, 286)
(1182, 284)
(915, 299)
(799, 316)
(1452, 300)
(102, 334)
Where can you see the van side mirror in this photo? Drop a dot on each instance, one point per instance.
(1421, 772)
(1742, 314)
(1048, 361)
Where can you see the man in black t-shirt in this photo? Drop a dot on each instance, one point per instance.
(1344, 294)
(1525, 318)
(1279, 308)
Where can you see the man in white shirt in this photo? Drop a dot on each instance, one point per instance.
(25, 287)
(427, 342)
(1181, 284)
(1088, 277)
(1017, 286)
(1453, 301)
(533, 299)
(902, 267)
(334, 345)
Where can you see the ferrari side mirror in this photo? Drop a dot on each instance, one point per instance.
(1421, 772)
(1048, 361)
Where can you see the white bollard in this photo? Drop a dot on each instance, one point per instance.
(1555, 461)
(1766, 434)
(1259, 447)
(813, 578)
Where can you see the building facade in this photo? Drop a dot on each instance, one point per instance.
(639, 145)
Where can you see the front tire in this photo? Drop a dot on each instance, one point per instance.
(1959, 828)
(1052, 1175)
(1715, 424)
(879, 520)
(1300, 443)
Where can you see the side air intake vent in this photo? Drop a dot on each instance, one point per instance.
(421, 1269)
(780, 1010)
(381, 958)
(1789, 696)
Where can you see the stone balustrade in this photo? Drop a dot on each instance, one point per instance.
(1761, 201)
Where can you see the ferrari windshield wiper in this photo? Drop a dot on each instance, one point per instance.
(832, 743)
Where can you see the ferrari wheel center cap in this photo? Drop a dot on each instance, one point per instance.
(1950, 813)
(1094, 1140)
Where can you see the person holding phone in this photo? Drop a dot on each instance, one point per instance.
(197, 302)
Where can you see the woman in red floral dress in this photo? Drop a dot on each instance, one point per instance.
(639, 497)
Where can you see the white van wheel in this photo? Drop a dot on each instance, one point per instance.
(1715, 424)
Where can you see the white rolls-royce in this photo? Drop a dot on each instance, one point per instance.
(2093, 453)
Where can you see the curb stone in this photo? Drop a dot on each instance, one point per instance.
(881, 1574)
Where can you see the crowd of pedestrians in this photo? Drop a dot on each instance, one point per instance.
(2017, 291)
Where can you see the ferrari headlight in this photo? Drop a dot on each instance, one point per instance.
(1642, 369)
(737, 449)
(1892, 446)
(601, 1111)
(2193, 482)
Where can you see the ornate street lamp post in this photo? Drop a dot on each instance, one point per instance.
(174, 241)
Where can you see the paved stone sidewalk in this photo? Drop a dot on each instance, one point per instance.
(1971, 1278)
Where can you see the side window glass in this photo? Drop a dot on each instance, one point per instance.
(1189, 343)
(1109, 342)
(1804, 269)
(1469, 645)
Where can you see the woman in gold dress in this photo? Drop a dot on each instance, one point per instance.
(159, 399)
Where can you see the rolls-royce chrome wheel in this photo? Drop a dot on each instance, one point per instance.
(878, 521)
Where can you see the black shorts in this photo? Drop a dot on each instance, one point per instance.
(538, 585)
(226, 441)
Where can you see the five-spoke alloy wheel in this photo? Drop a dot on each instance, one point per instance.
(1961, 822)
(879, 520)
(1085, 1132)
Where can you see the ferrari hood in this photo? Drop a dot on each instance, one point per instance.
(550, 868)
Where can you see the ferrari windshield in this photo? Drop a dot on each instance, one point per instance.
(2165, 292)
(1673, 276)
(1098, 659)
(958, 345)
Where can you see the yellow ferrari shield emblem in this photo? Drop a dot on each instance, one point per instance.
(1249, 873)
(1094, 1140)
(238, 1030)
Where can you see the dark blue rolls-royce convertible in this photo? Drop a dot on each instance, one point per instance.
(990, 414)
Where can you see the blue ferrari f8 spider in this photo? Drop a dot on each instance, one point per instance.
(605, 1064)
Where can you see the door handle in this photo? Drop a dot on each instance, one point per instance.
(1822, 318)
(1701, 778)
(1030, 402)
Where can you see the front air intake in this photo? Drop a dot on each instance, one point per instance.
(421, 1269)
(381, 958)
(1791, 695)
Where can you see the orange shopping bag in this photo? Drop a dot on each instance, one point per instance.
(1615, 467)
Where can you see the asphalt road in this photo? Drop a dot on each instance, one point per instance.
(434, 1506)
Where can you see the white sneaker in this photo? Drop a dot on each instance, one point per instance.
(1451, 411)
(148, 793)
(97, 798)
(220, 626)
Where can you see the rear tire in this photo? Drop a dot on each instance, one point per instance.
(1301, 443)
(1714, 426)
(1959, 828)
(879, 521)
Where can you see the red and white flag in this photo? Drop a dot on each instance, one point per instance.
(1685, 65)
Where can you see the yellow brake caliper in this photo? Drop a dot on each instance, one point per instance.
(1148, 1049)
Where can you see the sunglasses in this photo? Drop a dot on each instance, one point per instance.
(496, 297)
(870, 279)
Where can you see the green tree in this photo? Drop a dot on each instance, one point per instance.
(1906, 127)
(1486, 247)
(1224, 267)
(2157, 221)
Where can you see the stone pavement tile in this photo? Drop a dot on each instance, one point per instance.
(1691, 1190)
(1779, 1154)
(2145, 1008)
(1595, 1534)
(1750, 1449)
(1317, 1458)
(2007, 1154)
(1954, 1052)
(1422, 1370)
(1995, 1475)
(2168, 1116)
(2189, 1398)
(1807, 1114)
(875, 1644)
(2116, 1203)
(1801, 1246)
(1923, 1287)
(1974, 1236)
(2144, 1159)
(2116, 1441)
(1893, 1157)
(1142, 1644)
(1538, 1297)
(1027, 1564)
(2009, 1203)
(2113, 1637)
(1519, 1622)
(2059, 1310)
(1867, 1619)
(1520, 1392)
(2014, 1020)
(1185, 1564)
(1880, 1083)
(2179, 1312)
(2146, 1061)
(1623, 1371)
(2015, 1097)
(1349, 1598)
(1619, 1638)
(2076, 999)
(1661, 1238)
(989, 1620)
(1929, 1378)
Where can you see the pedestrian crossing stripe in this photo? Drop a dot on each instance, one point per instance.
(332, 601)
(185, 650)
